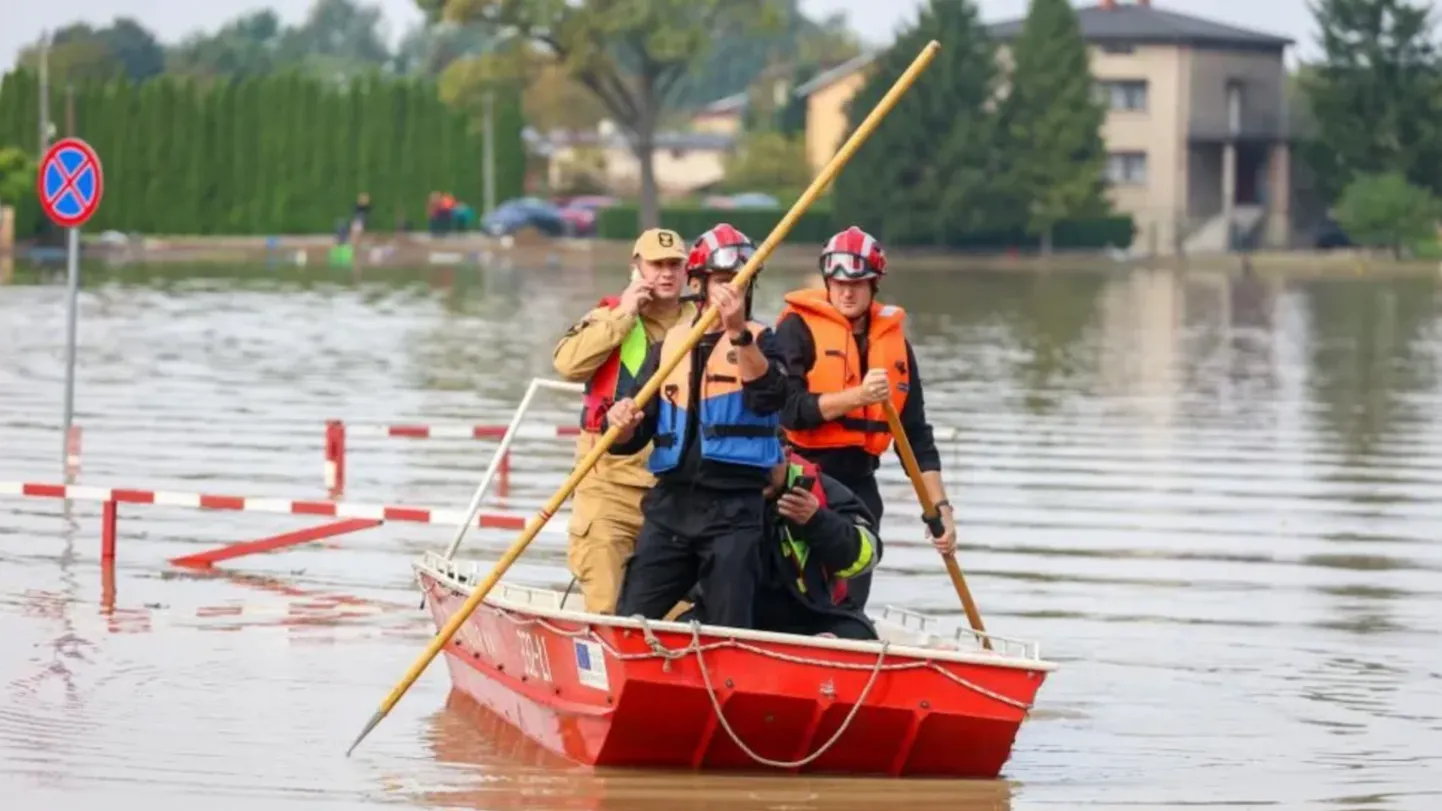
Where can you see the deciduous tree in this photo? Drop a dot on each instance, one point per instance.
(628, 53)
(1386, 211)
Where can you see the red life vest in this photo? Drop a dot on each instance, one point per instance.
(619, 367)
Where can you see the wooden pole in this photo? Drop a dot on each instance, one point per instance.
(932, 517)
(863, 131)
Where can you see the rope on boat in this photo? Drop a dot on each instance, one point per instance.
(731, 733)
(659, 651)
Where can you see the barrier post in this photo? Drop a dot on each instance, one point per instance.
(503, 486)
(72, 452)
(109, 515)
(335, 456)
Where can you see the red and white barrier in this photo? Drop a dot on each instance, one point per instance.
(460, 431)
(354, 516)
(338, 431)
(203, 501)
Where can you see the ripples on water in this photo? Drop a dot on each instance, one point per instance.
(1214, 501)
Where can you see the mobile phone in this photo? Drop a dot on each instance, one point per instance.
(804, 483)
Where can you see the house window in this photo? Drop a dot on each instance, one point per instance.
(1127, 168)
(1129, 95)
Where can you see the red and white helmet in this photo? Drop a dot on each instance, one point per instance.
(723, 249)
(853, 255)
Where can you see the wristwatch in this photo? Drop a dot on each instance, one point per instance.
(744, 339)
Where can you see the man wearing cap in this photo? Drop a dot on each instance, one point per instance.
(605, 349)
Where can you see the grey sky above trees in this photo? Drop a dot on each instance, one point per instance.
(874, 20)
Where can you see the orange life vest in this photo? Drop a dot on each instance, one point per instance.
(618, 369)
(730, 432)
(838, 366)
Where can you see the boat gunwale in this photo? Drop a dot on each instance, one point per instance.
(497, 599)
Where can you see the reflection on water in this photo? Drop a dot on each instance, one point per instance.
(1212, 498)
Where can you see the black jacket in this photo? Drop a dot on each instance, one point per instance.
(840, 541)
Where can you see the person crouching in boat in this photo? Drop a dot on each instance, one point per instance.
(713, 428)
(819, 540)
(847, 354)
(605, 349)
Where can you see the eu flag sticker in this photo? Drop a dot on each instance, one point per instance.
(591, 664)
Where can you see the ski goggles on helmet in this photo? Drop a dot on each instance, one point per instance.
(848, 266)
(730, 258)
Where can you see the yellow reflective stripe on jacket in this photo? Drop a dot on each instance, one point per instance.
(865, 558)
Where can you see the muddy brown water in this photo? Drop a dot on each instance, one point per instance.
(1214, 500)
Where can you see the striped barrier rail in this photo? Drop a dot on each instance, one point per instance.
(352, 517)
(338, 431)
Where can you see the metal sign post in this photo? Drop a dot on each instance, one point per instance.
(70, 184)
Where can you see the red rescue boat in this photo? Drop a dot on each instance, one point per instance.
(612, 691)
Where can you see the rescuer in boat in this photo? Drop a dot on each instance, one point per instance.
(819, 540)
(846, 354)
(713, 428)
(605, 349)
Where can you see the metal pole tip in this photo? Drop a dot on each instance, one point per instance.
(371, 724)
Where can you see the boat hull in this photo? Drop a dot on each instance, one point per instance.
(604, 691)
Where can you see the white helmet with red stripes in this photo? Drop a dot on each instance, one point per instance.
(723, 249)
(853, 255)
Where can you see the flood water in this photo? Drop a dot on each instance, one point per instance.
(1214, 500)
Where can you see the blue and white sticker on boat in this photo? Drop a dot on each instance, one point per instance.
(591, 664)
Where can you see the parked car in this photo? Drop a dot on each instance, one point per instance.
(754, 199)
(581, 212)
(750, 199)
(1331, 236)
(523, 212)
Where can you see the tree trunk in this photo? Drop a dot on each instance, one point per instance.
(650, 211)
(644, 146)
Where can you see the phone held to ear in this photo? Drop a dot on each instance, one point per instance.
(635, 274)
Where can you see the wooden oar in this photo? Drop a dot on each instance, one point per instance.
(828, 173)
(932, 517)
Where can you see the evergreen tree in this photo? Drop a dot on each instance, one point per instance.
(1376, 96)
(1053, 120)
(931, 170)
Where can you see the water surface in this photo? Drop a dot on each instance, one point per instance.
(1213, 499)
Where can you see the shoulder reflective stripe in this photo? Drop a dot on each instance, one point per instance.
(865, 557)
(888, 309)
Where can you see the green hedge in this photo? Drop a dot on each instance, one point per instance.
(815, 227)
(280, 154)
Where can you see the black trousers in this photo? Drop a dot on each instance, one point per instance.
(696, 537)
(859, 588)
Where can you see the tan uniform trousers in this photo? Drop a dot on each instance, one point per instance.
(605, 520)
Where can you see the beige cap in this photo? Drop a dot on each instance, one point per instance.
(656, 244)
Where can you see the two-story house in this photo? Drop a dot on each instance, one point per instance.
(1196, 129)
